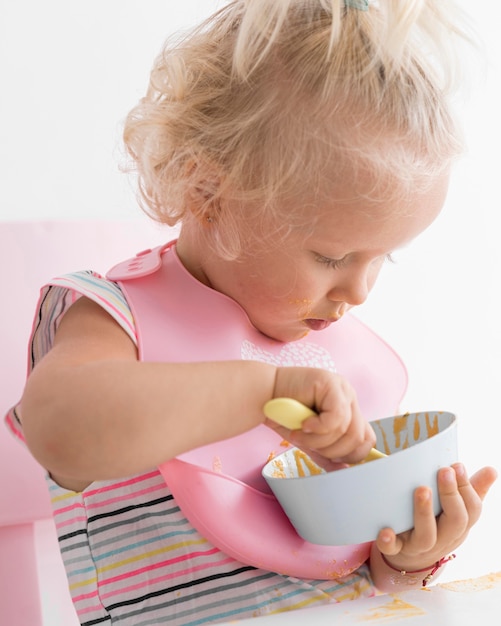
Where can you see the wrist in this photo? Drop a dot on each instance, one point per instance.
(411, 576)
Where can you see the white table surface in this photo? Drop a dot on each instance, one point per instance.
(472, 602)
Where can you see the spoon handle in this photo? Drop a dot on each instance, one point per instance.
(292, 413)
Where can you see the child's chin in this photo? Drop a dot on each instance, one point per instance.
(290, 335)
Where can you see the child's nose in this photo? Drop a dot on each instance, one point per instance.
(352, 287)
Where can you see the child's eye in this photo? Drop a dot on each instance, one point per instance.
(334, 264)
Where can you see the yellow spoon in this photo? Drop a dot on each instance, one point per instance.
(292, 413)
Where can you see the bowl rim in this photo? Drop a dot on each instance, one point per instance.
(361, 467)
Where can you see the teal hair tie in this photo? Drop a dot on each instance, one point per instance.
(360, 5)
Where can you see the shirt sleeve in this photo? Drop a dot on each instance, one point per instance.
(55, 299)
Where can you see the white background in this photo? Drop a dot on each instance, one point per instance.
(70, 71)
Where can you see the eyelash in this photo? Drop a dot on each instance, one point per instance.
(336, 264)
(333, 264)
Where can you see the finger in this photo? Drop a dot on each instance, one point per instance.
(483, 480)
(328, 457)
(351, 448)
(471, 498)
(326, 464)
(388, 542)
(454, 520)
(352, 445)
(424, 533)
(473, 490)
(356, 455)
(334, 422)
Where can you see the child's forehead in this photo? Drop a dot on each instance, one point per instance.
(350, 155)
(377, 194)
(346, 215)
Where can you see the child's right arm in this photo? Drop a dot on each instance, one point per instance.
(92, 411)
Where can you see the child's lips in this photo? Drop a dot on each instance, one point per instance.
(323, 323)
(315, 324)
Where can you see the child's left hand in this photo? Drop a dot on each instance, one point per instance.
(435, 537)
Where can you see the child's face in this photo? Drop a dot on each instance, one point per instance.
(308, 282)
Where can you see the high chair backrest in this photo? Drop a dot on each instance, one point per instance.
(31, 253)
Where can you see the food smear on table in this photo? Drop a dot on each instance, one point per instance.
(488, 581)
(395, 609)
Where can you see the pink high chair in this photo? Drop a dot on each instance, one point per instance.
(32, 576)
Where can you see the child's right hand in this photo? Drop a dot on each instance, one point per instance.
(339, 432)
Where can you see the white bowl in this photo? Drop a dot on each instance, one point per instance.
(351, 505)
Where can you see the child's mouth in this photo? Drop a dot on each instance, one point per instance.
(314, 324)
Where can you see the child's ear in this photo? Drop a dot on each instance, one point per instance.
(204, 204)
(203, 195)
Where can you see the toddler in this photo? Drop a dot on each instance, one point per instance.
(298, 144)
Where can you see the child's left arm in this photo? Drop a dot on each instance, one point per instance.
(403, 561)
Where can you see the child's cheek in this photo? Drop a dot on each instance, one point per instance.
(303, 307)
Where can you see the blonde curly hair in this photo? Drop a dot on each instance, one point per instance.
(268, 99)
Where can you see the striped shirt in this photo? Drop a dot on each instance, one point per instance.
(131, 556)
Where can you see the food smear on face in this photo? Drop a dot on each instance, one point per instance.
(303, 307)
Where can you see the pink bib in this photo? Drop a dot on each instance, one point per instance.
(219, 487)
